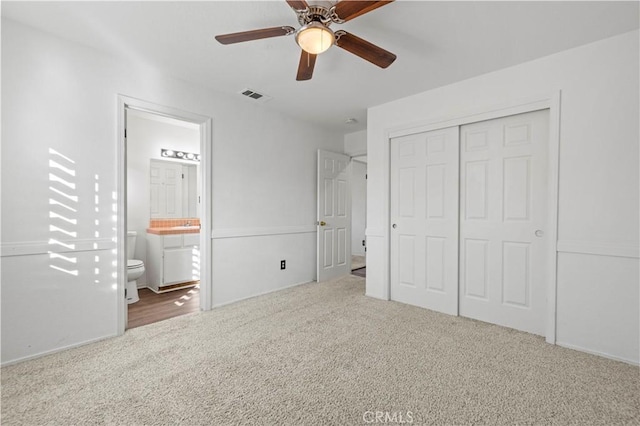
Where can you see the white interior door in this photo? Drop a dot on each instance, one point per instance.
(155, 186)
(189, 190)
(165, 189)
(424, 217)
(334, 216)
(502, 221)
(173, 189)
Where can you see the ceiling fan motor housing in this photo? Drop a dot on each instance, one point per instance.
(315, 14)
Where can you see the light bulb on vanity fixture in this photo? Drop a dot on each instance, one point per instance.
(179, 155)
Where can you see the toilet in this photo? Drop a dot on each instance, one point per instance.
(135, 268)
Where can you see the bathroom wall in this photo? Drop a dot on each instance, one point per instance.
(59, 122)
(145, 138)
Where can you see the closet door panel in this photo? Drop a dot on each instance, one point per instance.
(424, 217)
(502, 221)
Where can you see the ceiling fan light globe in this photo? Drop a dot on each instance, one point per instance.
(315, 38)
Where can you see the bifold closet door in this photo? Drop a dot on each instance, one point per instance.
(503, 210)
(424, 217)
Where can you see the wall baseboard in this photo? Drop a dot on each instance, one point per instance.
(219, 305)
(597, 353)
(54, 351)
(376, 297)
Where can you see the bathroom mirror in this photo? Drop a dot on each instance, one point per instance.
(173, 189)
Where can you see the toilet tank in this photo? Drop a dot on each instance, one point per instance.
(131, 244)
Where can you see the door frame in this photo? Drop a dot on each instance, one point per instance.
(550, 102)
(206, 142)
(355, 158)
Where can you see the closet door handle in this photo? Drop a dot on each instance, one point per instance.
(394, 226)
(539, 233)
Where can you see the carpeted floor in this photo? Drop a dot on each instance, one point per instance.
(320, 354)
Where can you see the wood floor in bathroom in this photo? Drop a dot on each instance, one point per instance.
(361, 272)
(154, 307)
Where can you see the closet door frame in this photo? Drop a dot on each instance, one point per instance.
(550, 102)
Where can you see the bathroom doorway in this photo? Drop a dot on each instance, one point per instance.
(164, 214)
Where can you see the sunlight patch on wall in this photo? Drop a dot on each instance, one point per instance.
(195, 264)
(62, 214)
(96, 222)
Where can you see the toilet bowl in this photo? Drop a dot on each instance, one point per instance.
(135, 269)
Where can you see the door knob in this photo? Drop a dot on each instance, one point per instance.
(539, 233)
(394, 226)
(322, 223)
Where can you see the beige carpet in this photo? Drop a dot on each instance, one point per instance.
(320, 354)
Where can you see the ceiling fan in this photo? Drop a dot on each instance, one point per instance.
(315, 37)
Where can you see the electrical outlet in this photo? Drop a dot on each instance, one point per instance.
(283, 264)
(364, 243)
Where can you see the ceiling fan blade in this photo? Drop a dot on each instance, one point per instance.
(368, 51)
(254, 35)
(298, 4)
(347, 10)
(305, 67)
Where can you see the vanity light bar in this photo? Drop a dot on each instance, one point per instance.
(180, 155)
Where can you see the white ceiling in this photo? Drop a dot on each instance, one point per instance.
(437, 43)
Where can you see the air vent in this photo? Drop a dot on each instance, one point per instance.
(252, 94)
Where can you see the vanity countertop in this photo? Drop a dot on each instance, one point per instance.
(170, 230)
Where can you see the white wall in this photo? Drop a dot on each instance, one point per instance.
(358, 206)
(355, 143)
(597, 294)
(145, 139)
(63, 96)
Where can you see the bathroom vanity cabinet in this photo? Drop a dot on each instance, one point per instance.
(173, 261)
